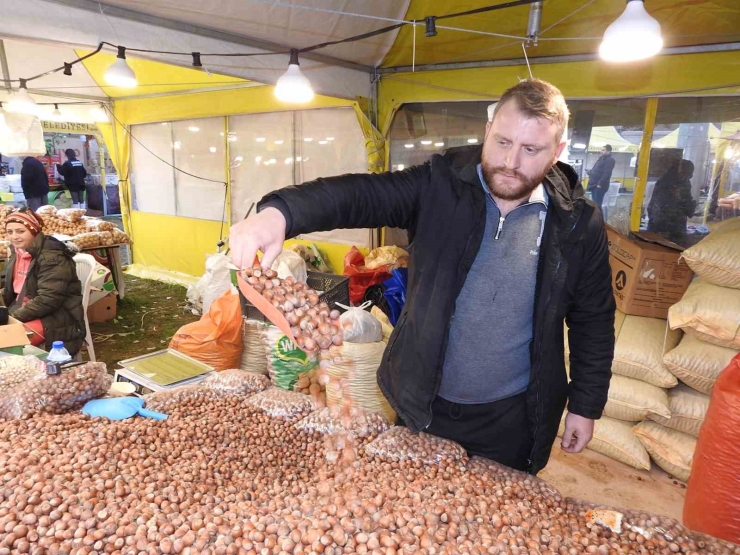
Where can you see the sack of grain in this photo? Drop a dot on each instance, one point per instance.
(634, 400)
(698, 364)
(716, 258)
(671, 450)
(639, 348)
(253, 353)
(614, 439)
(688, 410)
(354, 366)
(285, 361)
(710, 312)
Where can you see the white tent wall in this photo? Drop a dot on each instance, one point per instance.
(57, 23)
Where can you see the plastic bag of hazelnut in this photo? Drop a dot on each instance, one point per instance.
(287, 405)
(359, 424)
(15, 370)
(178, 398)
(236, 382)
(399, 444)
(56, 394)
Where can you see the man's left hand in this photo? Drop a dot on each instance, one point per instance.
(578, 432)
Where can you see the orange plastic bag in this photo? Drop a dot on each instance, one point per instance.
(713, 495)
(216, 339)
(360, 277)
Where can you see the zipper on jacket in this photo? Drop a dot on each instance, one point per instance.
(501, 220)
(539, 363)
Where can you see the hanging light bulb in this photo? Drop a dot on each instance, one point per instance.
(56, 113)
(22, 102)
(293, 86)
(119, 74)
(634, 35)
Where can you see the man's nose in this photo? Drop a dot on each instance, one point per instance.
(512, 160)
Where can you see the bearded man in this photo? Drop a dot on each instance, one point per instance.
(502, 252)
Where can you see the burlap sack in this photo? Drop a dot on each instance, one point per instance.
(634, 400)
(356, 366)
(671, 450)
(614, 439)
(698, 364)
(253, 353)
(709, 312)
(639, 348)
(716, 258)
(688, 410)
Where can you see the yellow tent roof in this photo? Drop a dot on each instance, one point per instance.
(683, 24)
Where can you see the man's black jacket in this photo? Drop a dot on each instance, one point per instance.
(444, 212)
(34, 181)
(601, 174)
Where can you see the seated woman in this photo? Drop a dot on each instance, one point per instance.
(41, 285)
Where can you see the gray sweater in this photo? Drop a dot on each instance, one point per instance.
(488, 350)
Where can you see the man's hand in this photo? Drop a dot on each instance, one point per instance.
(578, 432)
(264, 232)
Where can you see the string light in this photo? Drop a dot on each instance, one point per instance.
(634, 35)
(120, 74)
(293, 87)
(21, 102)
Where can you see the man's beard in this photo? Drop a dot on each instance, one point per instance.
(506, 191)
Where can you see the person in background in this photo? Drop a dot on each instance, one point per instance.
(74, 174)
(35, 183)
(672, 204)
(504, 251)
(42, 289)
(600, 175)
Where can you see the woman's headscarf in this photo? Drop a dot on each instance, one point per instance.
(27, 218)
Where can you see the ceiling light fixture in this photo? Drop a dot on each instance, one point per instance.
(439, 144)
(279, 142)
(21, 102)
(308, 139)
(258, 159)
(401, 167)
(330, 138)
(213, 149)
(120, 74)
(260, 139)
(409, 145)
(634, 35)
(323, 142)
(426, 143)
(294, 87)
(67, 69)
(472, 141)
(431, 26)
(56, 113)
(533, 24)
(193, 129)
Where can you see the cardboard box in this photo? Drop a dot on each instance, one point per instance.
(101, 284)
(103, 310)
(13, 337)
(647, 278)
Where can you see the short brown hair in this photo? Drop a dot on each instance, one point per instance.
(538, 99)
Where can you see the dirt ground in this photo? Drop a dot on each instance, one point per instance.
(147, 318)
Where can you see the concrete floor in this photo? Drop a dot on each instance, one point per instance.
(592, 477)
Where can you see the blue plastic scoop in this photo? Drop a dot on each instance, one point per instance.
(120, 408)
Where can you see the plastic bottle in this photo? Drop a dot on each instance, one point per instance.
(58, 353)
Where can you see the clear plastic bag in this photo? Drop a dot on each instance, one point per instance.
(308, 383)
(179, 397)
(359, 326)
(399, 444)
(119, 237)
(73, 215)
(46, 211)
(90, 240)
(357, 425)
(4, 250)
(488, 469)
(93, 224)
(287, 405)
(236, 382)
(56, 394)
(15, 370)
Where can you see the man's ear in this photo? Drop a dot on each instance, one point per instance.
(488, 127)
(558, 152)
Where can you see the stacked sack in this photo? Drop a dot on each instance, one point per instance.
(353, 367)
(709, 317)
(639, 388)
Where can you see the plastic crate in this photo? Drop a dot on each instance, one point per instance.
(335, 290)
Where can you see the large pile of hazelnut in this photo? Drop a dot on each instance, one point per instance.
(221, 477)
